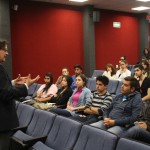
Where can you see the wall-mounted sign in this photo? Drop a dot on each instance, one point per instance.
(116, 24)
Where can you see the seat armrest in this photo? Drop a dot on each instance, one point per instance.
(23, 129)
(34, 140)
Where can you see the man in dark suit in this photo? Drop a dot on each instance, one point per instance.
(8, 91)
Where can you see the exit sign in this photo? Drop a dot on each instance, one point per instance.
(116, 24)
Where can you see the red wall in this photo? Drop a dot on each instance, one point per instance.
(46, 38)
(112, 43)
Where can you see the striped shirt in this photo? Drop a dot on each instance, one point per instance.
(100, 101)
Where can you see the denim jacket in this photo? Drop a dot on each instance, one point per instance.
(125, 112)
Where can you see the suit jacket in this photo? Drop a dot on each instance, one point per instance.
(8, 115)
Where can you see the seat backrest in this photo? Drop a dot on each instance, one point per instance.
(17, 103)
(125, 144)
(91, 84)
(112, 86)
(41, 123)
(97, 73)
(91, 138)
(132, 71)
(37, 87)
(32, 89)
(130, 67)
(118, 91)
(25, 114)
(63, 134)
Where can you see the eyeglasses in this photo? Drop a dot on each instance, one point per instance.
(47, 78)
(5, 50)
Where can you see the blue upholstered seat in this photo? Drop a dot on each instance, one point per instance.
(126, 144)
(62, 136)
(17, 103)
(40, 125)
(112, 86)
(91, 84)
(95, 139)
(25, 114)
(118, 91)
(32, 90)
(97, 73)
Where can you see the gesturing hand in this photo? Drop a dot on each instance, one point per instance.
(20, 80)
(30, 81)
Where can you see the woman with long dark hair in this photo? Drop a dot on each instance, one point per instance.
(110, 72)
(64, 93)
(146, 67)
(47, 90)
(77, 101)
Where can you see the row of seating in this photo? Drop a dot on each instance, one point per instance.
(114, 86)
(91, 84)
(100, 72)
(47, 131)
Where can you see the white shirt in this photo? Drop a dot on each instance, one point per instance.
(120, 75)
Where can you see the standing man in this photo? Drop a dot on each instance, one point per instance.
(143, 81)
(9, 91)
(124, 109)
(78, 71)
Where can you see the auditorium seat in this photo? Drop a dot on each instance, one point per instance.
(118, 91)
(91, 138)
(32, 90)
(17, 103)
(127, 144)
(112, 86)
(62, 136)
(91, 84)
(25, 114)
(97, 73)
(39, 126)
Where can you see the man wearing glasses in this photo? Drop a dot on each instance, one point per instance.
(9, 91)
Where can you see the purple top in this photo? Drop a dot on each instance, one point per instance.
(75, 97)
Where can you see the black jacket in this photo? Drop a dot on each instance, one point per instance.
(8, 116)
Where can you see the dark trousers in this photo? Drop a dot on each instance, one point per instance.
(137, 133)
(87, 119)
(61, 112)
(5, 140)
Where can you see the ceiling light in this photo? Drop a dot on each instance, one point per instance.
(78, 0)
(143, 0)
(140, 8)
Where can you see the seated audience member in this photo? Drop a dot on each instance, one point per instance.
(146, 67)
(123, 71)
(143, 81)
(124, 109)
(121, 58)
(100, 102)
(64, 93)
(78, 71)
(141, 130)
(146, 53)
(78, 100)
(64, 72)
(110, 72)
(47, 90)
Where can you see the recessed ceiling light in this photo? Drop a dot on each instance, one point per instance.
(78, 0)
(140, 8)
(143, 0)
